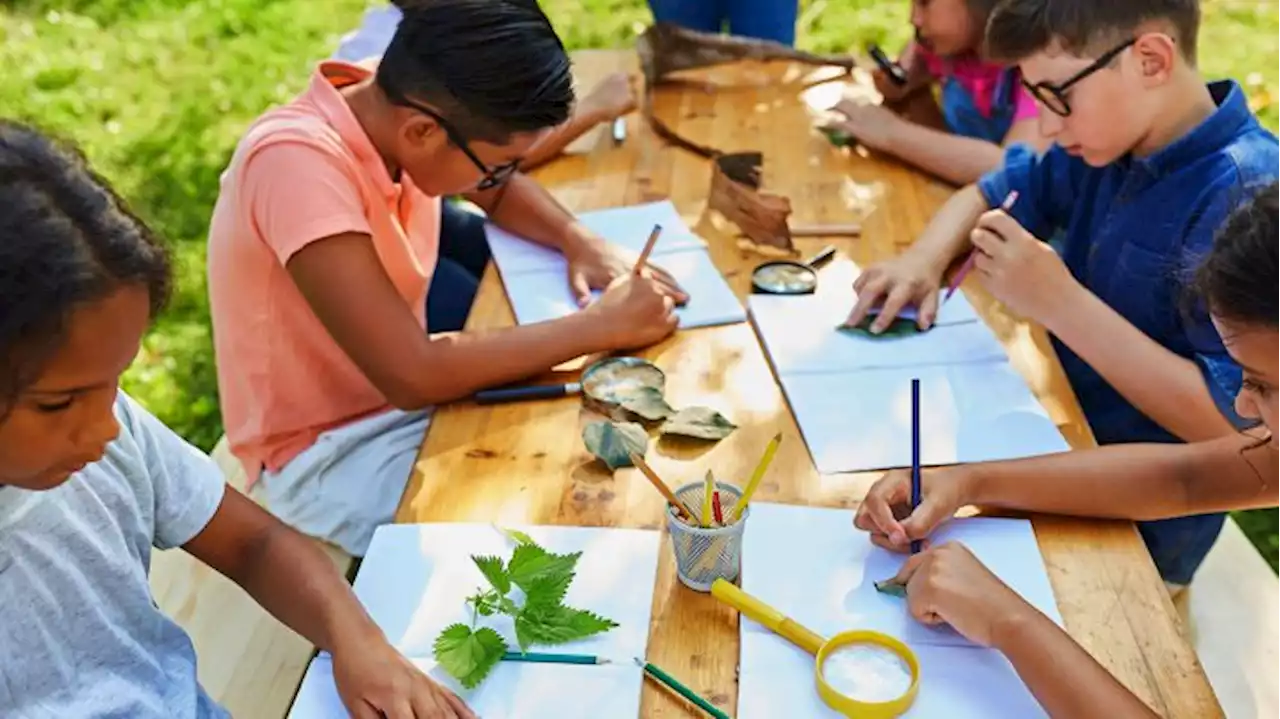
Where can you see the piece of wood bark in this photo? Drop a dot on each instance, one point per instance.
(735, 194)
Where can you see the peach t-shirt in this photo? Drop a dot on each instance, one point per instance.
(303, 172)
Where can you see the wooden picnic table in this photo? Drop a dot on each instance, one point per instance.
(525, 462)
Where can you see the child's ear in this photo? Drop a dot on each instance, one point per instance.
(1156, 53)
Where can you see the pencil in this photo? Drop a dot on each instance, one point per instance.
(708, 493)
(656, 481)
(674, 685)
(915, 454)
(541, 658)
(769, 451)
(648, 248)
(967, 267)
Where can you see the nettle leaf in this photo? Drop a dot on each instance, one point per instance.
(516, 536)
(547, 591)
(648, 403)
(558, 625)
(492, 569)
(613, 442)
(891, 587)
(900, 327)
(531, 564)
(469, 655)
(699, 423)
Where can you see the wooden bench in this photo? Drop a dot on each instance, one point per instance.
(248, 661)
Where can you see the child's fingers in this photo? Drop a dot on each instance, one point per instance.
(884, 542)
(987, 242)
(924, 519)
(580, 287)
(909, 568)
(868, 296)
(898, 298)
(1001, 223)
(928, 310)
(878, 508)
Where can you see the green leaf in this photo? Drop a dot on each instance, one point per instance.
(699, 423)
(492, 569)
(558, 625)
(532, 564)
(469, 656)
(647, 403)
(613, 442)
(547, 592)
(892, 588)
(516, 535)
(900, 327)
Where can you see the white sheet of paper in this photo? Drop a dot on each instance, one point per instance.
(776, 680)
(861, 420)
(800, 334)
(628, 227)
(545, 295)
(414, 582)
(813, 566)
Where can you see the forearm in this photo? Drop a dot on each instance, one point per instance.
(957, 159)
(296, 582)
(1167, 388)
(947, 234)
(557, 140)
(455, 366)
(1130, 481)
(526, 209)
(1064, 679)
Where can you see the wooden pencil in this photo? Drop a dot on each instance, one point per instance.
(648, 249)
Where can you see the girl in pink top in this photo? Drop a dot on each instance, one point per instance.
(984, 105)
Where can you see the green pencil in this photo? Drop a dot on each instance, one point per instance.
(674, 684)
(540, 658)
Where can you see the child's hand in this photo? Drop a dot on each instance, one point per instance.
(1020, 270)
(594, 265)
(375, 681)
(634, 312)
(947, 584)
(906, 280)
(870, 125)
(614, 97)
(886, 513)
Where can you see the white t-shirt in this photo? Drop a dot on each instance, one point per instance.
(80, 635)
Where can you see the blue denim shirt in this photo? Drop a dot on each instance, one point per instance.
(1132, 230)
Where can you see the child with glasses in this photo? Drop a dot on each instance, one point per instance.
(948, 584)
(983, 105)
(325, 239)
(1147, 161)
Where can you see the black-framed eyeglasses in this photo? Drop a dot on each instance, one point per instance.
(491, 176)
(1054, 97)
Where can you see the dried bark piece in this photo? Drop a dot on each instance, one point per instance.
(735, 193)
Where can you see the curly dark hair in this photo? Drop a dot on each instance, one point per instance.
(1238, 275)
(66, 239)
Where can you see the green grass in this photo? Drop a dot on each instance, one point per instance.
(157, 92)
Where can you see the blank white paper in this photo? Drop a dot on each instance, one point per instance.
(813, 566)
(800, 334)
(542, 296)
(861, 420)
(414, 582)
(627, 227)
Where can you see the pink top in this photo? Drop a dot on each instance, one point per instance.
(303, 172)
(981, 80)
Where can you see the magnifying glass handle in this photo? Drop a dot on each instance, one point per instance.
(775, 620)
(517, 394)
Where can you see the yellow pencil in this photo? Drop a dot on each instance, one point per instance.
(709, 486)
(769, 451)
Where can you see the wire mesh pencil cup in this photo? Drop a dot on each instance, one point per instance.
(705, 554)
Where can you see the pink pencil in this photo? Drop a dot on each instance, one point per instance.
(1007, 205)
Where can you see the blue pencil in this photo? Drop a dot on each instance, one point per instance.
(915, 454)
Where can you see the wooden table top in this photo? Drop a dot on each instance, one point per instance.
(525, 462)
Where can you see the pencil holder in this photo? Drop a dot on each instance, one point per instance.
(705, 554)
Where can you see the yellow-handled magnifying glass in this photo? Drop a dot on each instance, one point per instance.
(860, 673)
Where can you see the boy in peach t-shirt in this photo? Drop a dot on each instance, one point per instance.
(325, 240)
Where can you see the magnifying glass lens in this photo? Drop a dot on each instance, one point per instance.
(867, 672)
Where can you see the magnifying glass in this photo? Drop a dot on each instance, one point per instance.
(785, 277)
(605, 383)
(860, 673)
(895, 72)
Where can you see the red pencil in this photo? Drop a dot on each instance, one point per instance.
(715, 507)
(1007, 205)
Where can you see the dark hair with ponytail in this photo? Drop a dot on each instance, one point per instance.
(1238, 276)
(66, 240)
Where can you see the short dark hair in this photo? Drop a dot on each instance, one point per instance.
(1239, 274)
(66, 239)
(1019, 28)
(492, 68)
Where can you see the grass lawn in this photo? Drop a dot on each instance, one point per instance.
(158, 91)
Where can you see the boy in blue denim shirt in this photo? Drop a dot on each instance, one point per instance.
(1147, 162)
